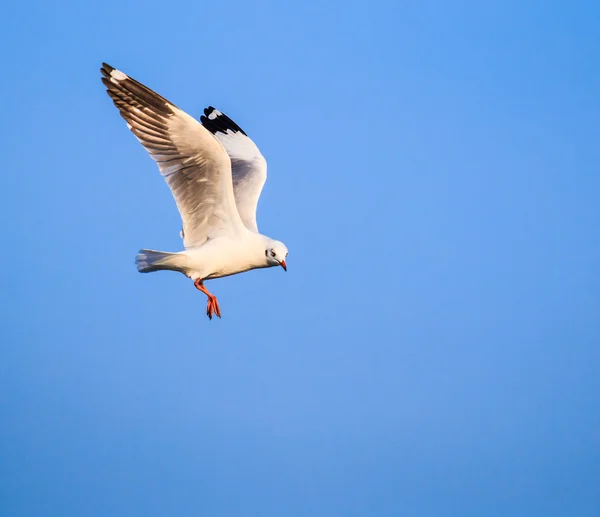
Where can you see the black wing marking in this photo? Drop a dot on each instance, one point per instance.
(217, 122)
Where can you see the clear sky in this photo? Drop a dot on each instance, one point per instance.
(433, 349)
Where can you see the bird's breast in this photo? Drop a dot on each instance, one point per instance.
(224, 257)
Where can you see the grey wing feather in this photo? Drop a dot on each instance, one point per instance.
(248, 166)
(194, 164)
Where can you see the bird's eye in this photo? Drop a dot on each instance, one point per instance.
(273, 253)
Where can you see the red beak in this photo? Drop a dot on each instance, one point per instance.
(283, 265)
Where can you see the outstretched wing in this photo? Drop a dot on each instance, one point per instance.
(248, 166)
(194, 164)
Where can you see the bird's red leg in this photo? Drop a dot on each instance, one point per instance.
(213, 305)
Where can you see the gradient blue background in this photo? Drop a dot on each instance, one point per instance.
(433, 349)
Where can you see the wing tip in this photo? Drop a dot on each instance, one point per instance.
(125, 90)
(212, 113)
(112, 74)
(217, 122)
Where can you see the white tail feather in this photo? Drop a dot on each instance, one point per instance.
(148, 261)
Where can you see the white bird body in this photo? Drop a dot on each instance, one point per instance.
(219, 257)
(216, 174)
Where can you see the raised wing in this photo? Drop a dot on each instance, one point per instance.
(248, 167)
(194, 164)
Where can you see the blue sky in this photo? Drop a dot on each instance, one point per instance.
(433, 348)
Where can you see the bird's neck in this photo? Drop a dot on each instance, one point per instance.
(259, 244)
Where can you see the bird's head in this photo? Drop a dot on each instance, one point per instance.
(276, 253)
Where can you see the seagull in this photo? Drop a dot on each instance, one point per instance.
(216, 174)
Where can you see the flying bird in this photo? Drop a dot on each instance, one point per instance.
(216, 174)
